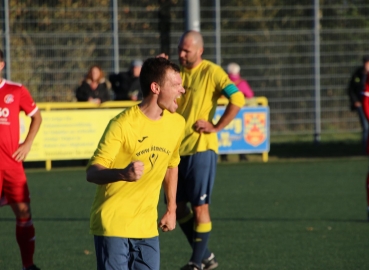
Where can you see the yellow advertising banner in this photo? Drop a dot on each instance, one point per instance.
(67, 134)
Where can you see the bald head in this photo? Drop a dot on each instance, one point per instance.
(195, 37)
(190, 49)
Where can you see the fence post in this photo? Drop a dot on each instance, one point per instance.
(218, 55)
(7, 40)
(164, 25)
(317, 72)
(192, 10)
(114, 6)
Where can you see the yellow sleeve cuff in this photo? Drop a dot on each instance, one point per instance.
(237, 99)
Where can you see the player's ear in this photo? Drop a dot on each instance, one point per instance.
(201, 50)
(155, 88)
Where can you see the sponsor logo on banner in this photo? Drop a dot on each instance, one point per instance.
(255, 132)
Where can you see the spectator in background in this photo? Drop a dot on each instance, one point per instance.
(364, 105)
(126, 85)
(233, 71)
(94, 87)
(355, 91)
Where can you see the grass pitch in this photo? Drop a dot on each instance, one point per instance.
(277, 215)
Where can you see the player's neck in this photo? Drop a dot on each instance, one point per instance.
(194, 65)
(150, 108)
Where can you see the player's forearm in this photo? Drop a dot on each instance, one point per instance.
(170, 188)
(101, 175)
(228, 115)
(36, 120)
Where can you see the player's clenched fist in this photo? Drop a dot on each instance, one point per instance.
(134, 171)
(163, 55)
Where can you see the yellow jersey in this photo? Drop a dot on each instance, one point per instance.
(129, 209)
(204, 85)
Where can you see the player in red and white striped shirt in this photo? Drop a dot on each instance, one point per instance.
(14, 191)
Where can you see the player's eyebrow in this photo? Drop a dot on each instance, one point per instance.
(181, 48)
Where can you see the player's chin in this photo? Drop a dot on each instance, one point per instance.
(172, 110)
(173, 107)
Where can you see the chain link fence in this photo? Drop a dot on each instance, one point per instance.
(53, 43)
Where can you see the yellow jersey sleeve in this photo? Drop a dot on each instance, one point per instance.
(109, 145)
(174, 161)
(237, 99)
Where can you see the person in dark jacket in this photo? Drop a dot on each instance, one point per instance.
(355, 92)
(365, 108)
(126, 85)
(93, 88)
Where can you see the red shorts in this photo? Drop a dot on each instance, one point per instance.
(13, 186)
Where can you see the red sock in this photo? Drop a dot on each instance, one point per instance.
(25, 234)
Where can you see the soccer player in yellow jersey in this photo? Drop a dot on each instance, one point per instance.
(204, 82)
(139, 148)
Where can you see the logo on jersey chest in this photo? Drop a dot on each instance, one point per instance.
(9, 98)
(153, 148)
(143, 138)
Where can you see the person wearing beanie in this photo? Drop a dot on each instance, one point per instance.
(233, 70)
(126, 85)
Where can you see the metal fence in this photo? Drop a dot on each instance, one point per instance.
(53, 43)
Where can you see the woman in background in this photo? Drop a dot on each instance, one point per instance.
(94, 87)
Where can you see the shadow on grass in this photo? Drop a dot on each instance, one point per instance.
(224, 219)
(47, 219)
(313, 150)
(290, 220)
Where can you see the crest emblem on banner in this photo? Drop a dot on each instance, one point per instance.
(255, 132)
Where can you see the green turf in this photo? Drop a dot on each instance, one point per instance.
(276, 215)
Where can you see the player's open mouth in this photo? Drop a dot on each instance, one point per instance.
(175, 100)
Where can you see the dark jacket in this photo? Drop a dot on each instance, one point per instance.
(125, 86)
(356, 86)
(84, 91)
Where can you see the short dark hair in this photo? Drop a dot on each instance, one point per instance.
(1, 56)
(154, 70)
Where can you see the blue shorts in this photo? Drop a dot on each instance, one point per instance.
(117, 253)
(196, 176)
